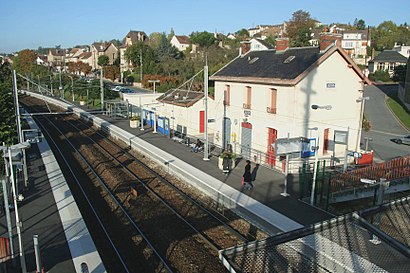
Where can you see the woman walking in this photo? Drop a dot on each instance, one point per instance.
(247, 176)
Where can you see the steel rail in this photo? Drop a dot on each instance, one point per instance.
(165, 203)
(163, 179)
(165, 264)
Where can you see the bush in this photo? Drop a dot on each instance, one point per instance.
(380, 76)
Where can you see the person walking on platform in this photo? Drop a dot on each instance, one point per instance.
(247, 176)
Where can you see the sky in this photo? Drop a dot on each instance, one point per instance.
(47, 23)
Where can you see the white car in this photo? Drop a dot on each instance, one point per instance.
(403, 140)
(117, 88)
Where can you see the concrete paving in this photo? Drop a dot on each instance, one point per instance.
(268, 184)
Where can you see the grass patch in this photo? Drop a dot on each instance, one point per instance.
(399, 111)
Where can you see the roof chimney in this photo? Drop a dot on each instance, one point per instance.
(282, 44)
(327, 39)
(245, 47)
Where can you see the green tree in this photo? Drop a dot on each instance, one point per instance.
(25, 62)
(242, 33)
(203, 39)
(103, 60)
(299, 28)
(399, 73)
(8, 131)
(171, 34)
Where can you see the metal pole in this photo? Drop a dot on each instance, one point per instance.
(141, 66)
(20, 132)
(13, 186)
(38, 84)
(155, 123)
(102, 90)
(285, 185)
(312, 194)
(206, 148)
(346, 150)
(359, 131)
(72, 86)
(7, 207)
(51, 86)
(37, 253)
(142, 114)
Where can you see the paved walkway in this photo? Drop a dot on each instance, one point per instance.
(267, 186)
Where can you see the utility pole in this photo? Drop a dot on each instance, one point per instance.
(19, 131)
(16, 212)
(51, 85)
(206, 148)
(141, 66)
(6, 204)
(102, 90)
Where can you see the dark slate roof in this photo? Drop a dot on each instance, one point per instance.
(181, 97)
(390, 56)
(270, 64)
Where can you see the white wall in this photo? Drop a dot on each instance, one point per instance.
(294, 114)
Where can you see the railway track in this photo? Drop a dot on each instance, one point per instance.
(182, 234)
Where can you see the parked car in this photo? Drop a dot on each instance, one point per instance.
(117, 88)
(126, 90)
(403, 140)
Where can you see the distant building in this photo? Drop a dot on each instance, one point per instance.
(387, 60)
(132, 37)
(181, 42)
(355, 43)
(103, 48)
(56, 58)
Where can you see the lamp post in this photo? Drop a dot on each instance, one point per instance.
(18, 146)
(6, 201)
(359, 131)
(316, 148)
(72, 85)
(367, 139)
(154, 81)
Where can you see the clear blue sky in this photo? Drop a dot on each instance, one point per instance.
(46, 23)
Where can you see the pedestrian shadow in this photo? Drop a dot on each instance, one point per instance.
(254, 172)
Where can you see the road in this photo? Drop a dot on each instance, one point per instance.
(384, 125)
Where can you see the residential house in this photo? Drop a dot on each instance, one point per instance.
(56, 58)
(355, 43)
(41, 59)
(181, 42)
(265, 31)
(108, 49)
(403, 50)
(86, 57)
(259, 44)
(231, 36)
(130, 39)
(265, 95)
(387, 60)
(74, 54)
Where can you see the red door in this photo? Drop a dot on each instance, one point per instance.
(272, 136)
(201, 121)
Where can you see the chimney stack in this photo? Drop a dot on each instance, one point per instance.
(245, 47)
(282, 44)
(327, 39)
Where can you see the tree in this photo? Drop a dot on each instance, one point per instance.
(170, 35)
(8, 132)
(203, 39)
(242, 33)
(25, 61)
(112, 72)
(399, 73)
(299, 28)
(103, 60)
(359, 24)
